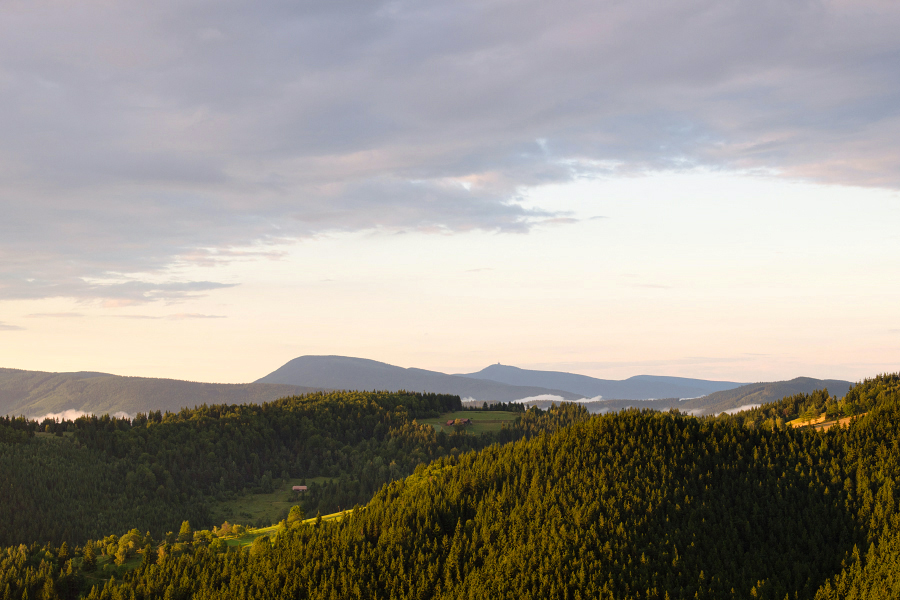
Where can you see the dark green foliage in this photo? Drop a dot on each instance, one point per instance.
(861, 398)
(16, 431)
(54, 489)
(632, 505)
(636, 505)
(789, 408)
(875, 578)
(106, 474)
(763, 393)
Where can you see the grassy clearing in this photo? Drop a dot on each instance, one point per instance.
(248, 509)
(802, 422)
(840, 423)
(247, 538)
(482, 421)
(106, 569)
(820, 424)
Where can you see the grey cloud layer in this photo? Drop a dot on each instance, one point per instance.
(136, 135)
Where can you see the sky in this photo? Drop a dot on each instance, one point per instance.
(206, 190)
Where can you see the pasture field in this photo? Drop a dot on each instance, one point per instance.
(482, 421)
(249, 509)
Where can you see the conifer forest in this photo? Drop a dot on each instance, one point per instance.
(559, 503)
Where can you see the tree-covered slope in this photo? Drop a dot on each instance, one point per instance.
(762, 393)
(626, 506)
(633, 505)
(80, 479)
(873, 577)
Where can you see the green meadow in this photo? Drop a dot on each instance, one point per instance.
(482, 421)
(249, 509)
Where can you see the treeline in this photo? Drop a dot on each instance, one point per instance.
(16, 431)
(635, 505)
(860, 399)
(73, 480)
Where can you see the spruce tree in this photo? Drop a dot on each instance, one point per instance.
(89, 559)
(185, 534)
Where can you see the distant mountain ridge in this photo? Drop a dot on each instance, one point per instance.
(38, 393)
(733, 400)
(347, 373)
(639, 387)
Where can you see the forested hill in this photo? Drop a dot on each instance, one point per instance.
(633, 505)
(73, 480)
(38, 393)
(762, 393)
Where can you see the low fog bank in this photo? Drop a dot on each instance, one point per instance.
(72, 414)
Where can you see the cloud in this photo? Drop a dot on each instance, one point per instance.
(187, 133)
(8, 327)
(174, 317)
(59, 315)
(555, 398)
(696, 412)
(733, 411)
(72, 414)
(116, 294)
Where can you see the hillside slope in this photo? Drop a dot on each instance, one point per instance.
(346, 373)
(37, 393)
(81, 479)
(763, 393)
(639, 387)
(634, 505)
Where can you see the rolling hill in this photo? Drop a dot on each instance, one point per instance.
(761, 393)
(38, 393)
(346, 373)
(640, 387)
(740, 398)
(632, 505)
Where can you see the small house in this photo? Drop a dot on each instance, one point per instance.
(299, 488)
